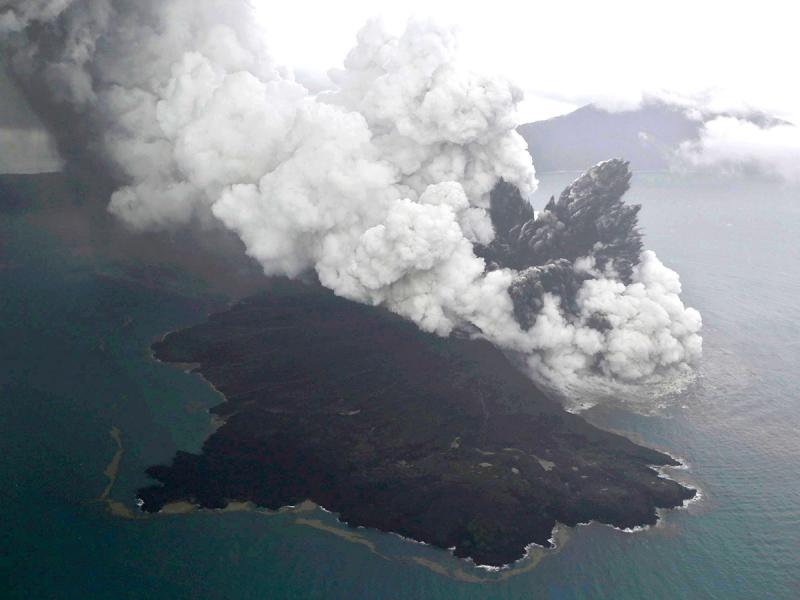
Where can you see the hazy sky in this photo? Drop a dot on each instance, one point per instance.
(566, 53)
(721, 56)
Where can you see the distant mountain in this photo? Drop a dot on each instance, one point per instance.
(647, 137)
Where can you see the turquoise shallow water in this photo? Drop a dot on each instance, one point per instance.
(74, 362)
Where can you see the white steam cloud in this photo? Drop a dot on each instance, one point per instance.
(380, 185)
(735, 145)
(652, 339)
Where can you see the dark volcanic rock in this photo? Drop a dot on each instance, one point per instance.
(589, 219)
(440, 440)
(529, 287)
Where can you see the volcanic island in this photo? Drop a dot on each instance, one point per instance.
(441, 440)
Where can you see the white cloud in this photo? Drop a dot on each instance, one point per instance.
(724, 54)
(736, 145)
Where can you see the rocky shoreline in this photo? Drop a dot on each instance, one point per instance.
(439, 440)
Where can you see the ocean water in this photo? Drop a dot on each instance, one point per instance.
(75, 328)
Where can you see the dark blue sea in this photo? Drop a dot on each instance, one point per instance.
(76, 323)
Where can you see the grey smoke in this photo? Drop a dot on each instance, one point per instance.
(16, 16)
(25, 145)
(27, 151)
(380, 185)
